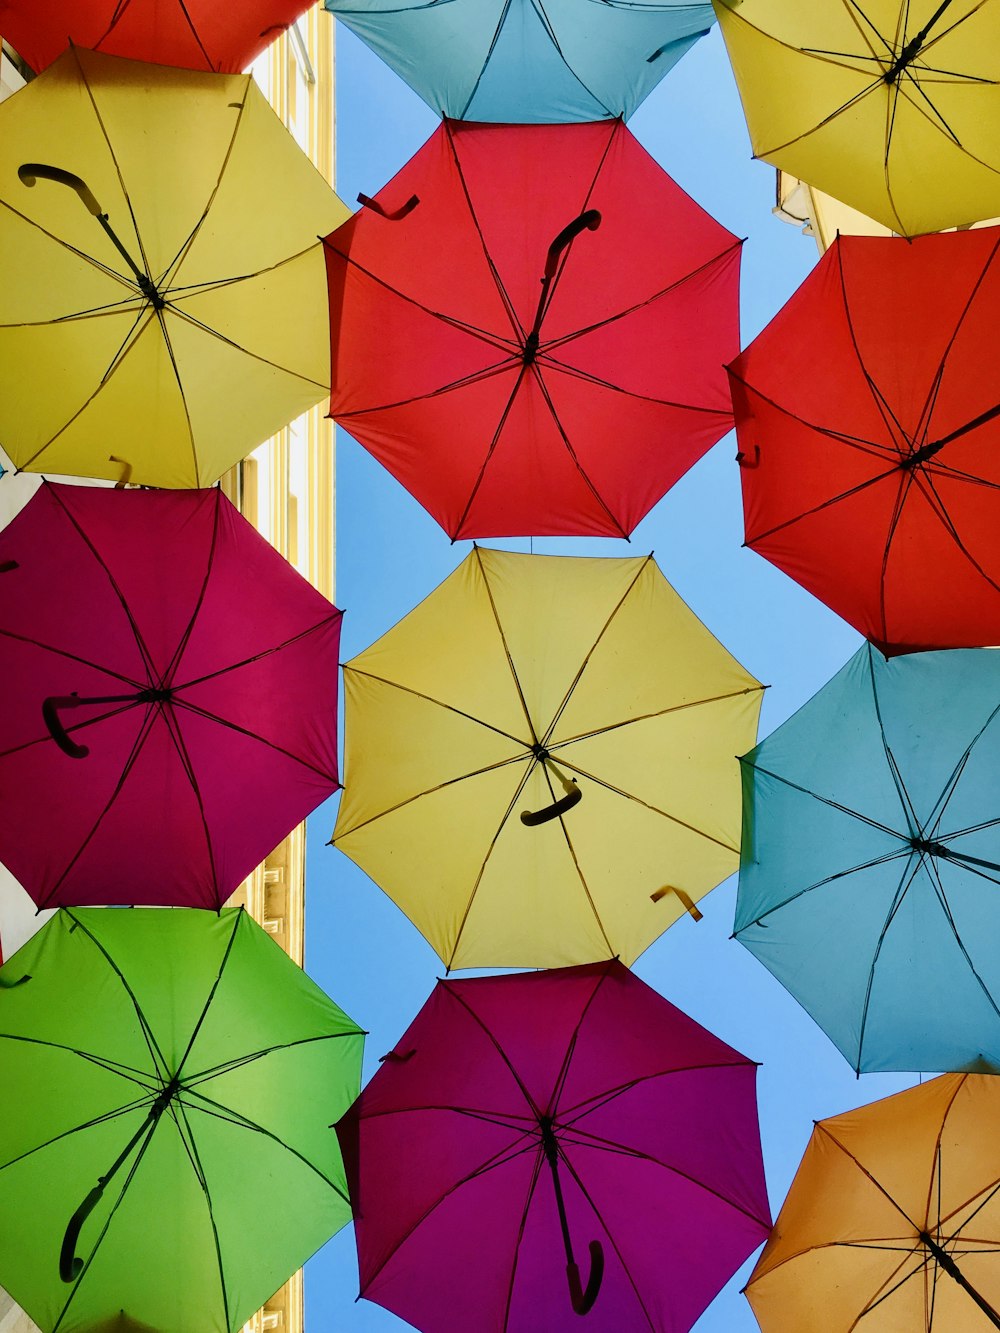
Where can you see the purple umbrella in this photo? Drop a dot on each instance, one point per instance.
(550, 1130)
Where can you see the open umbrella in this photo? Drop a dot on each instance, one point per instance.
(161, 300)
(168, 1079)
(539, 760)
(524, 61)
(891, 107)
(529, 328)
(542, 1146)
(871, 859)
(169, 703)
(893, 1219)
(195, 34)
(868, 423)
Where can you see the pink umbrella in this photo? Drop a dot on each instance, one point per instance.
(168, 711)
(523, 1120)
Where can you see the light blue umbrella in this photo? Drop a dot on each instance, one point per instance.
(528, 61)
(870, 874)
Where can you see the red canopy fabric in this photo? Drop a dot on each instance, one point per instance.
(508, 405)
(524, 1118)
(192, 34)
(205, 670)
(868, 421)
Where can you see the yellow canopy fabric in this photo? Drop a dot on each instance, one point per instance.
(886, 1200)
(518, 675)
(891, 106)
(218, 209)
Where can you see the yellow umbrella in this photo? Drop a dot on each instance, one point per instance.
(162, 290)
(891, 106)
(540, 760)
(893, 1219)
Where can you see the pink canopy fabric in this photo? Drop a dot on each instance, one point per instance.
(205, 674)
(525, 1117)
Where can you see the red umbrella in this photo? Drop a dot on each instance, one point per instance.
(868, 423)
(193, 34)
(529, 328)
(549, 1144)
(168, 711)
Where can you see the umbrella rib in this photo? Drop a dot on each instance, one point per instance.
(889, 418)
(649, 717)
(547, 24)
(576, 863)
(951, 783)
(130, 761)
(187, 706)
(182, 643)
(103, 268)
(507, 303)
(450, 708)
(219, 1111)
(822, 1127)
(237, 922)
(834, 805)
(929, 491)
(72, 657)
(506, 647)
(910, 872)
(156, 1055)
(902, 492)
(563, 1074)
(174, 732)
(549, 363)
(646, 805)
(909, 812)
(196, 323)
(938, 886)
(474, 377)
(480, 476)
(71, 730)
(529, 1197)
(885, 1290)
(161, 320)
(226, 1067)
(331, 619)
(569, 1117)
(147, 656)
(104, 1119)
(178, 1112)
(505, 1059)
(719, 259)
(504, 11)
(821, 884)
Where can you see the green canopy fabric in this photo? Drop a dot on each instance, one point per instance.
(169, 1080)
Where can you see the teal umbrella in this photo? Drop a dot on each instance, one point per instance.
(870, 869)
(529, 61)
(169, 1076)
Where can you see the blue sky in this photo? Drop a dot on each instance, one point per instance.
(390, 554)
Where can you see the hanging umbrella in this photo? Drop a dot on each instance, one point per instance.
(168, 1080)
(529, 328)
(871, 859)
(892, 108)
(539, 61)
(161, 303)
(867, 420)
(194, 34)
(892, 1221)
(169, 704)
(574, 1130)
(540, 763)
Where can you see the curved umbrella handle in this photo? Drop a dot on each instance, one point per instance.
(6, 566)
(583, 1298)
(50, 712)
(9, 985)
(588, 221)
(70, 1267)
(394, 216)
(30, 172)
(573, 797)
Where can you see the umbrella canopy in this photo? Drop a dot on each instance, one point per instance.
(556, 1113)
(161, 302)
(869, 426)
(540, 762)
(871, 859)
(508, 405)
(892, 1221)
(169, 1078)
(891, 107)
(194, 34)
(540, 61)
(169, 704)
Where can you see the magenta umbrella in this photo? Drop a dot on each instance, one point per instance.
(548, 1144)
(168, 711)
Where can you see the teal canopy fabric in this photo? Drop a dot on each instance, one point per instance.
(528, 61)
(870, 872)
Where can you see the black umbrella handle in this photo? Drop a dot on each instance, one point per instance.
(532, 818)
(70, 1267)
(50, 712)
(30, 172)
(587, 221)
(395, 214)
(583, 1298)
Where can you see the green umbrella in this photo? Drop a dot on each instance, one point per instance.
(169, 1079)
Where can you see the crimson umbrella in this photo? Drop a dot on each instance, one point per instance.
(547, 1144)
(193, 34)
(529, 328)
(868, 420)
(168, 711)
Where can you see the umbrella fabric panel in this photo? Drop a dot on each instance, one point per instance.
(529, 62)
(189, 33)
(114, 374)
(833, 118)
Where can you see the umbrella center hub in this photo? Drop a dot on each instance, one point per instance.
(549, 1146)
(530, 349)
(928, 846)
(149, 291)
(539, 751)
(159, 694)
(166, 1096)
